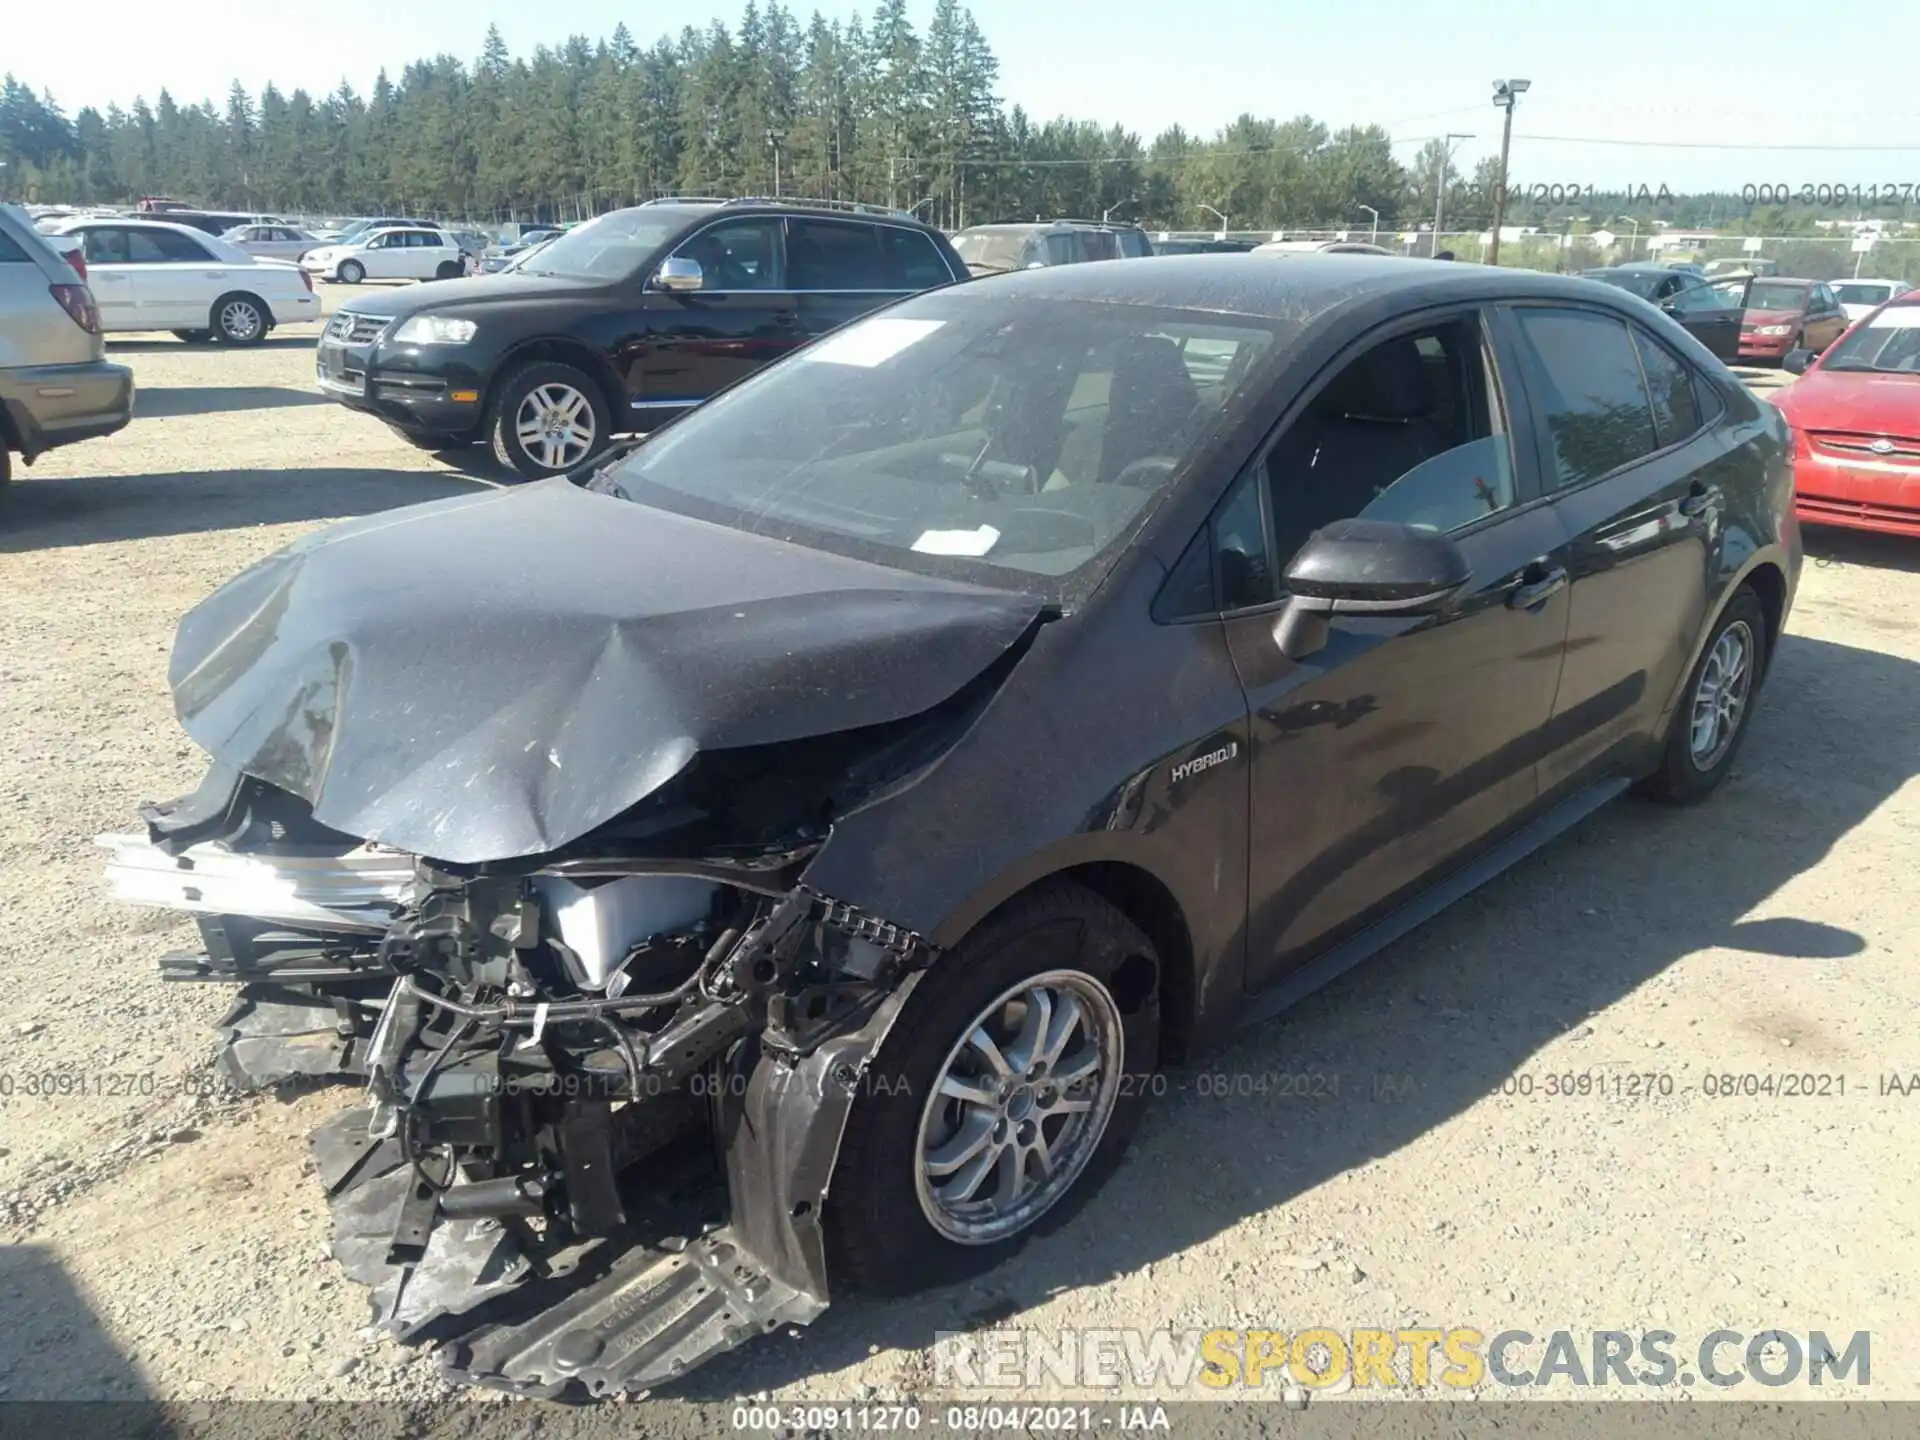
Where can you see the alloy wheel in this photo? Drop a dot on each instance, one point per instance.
(1720, 697)
(239, 320)
(1018, 1107)
(555, 425)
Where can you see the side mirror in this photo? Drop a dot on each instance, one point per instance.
(1797, 361)
(678, 273)
(1366, 567)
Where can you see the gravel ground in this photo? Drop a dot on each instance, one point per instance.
(160, 1240)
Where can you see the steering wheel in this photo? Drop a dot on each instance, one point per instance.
(1145, 471)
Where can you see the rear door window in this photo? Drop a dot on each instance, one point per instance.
(834, 255)
(1586, 386)
(913, 262)
(1671, 387)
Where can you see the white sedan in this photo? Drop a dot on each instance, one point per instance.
(273, 242)
(400, 254)
(150, 275)
(1860, 298)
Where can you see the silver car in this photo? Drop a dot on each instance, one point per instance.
(56, 386)
(273, 242)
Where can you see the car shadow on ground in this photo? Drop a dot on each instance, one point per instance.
(177, 400)
(168, 345)
(101, 509)
(1830, 545)
(52, 1347)
(1450, 1012)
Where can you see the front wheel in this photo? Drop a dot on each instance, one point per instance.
(351, 272)
(1711, 721)
(547, 419)
(1003, 1098)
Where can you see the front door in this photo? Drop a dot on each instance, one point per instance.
(1627, 448)
(742, 317)
(1404, 744)
(1709, 315)
(1826, 321)
(385, 256)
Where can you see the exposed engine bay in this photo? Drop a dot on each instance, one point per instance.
(603, 1091)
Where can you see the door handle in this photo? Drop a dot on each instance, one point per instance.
(1700, 498)
(1531, 593)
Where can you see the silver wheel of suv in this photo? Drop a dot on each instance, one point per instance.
(555, 426)
(1720, 696)
(1018, 1107)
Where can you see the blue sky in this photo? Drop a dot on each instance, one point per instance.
(1619, 70)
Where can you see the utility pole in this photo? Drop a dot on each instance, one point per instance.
(1505, 92)
(1440, 183)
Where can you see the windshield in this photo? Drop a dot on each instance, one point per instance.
(981, 439)
(1774, 295)
(1888, 341)
(609, 247)
(991, 249)
(1855, 293)
(1637, 281)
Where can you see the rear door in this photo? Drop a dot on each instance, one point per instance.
(1709, 315)
(179, 277)
(1826, 321)
(1405, 744)
(838, 272)
(1627, 448)
(743, 316)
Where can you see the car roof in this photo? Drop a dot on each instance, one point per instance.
(1252, 285)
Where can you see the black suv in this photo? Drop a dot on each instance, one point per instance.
(621, 323)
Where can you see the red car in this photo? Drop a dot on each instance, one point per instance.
(1855, 413)
(1787, 315)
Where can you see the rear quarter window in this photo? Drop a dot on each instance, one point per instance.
(11, 253)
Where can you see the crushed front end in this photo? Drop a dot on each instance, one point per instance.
(604, 1092)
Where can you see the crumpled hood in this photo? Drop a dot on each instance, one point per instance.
(494, 676)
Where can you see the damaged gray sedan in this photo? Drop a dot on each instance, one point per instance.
(778, 860)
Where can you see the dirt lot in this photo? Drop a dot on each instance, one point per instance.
(157, 1242)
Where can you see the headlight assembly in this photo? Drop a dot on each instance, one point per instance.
(434, 330)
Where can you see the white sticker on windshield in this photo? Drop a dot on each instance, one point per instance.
(1896, 317)
(958, 542)
(871, 342)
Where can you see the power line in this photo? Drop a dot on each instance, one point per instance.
(1700, 144)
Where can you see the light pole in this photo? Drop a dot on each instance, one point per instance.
(1223, 219)
(1633, 244)
(1505, 92)
(774, 137)
(1121, 205)
(1440, 183)
(1374, 235)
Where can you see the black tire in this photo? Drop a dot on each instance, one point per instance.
(240, 320)
(195, 337)
(449, 270)
(502, 428)
(879, 1237)
(6, 466)
(351, 272)
(1683, 778)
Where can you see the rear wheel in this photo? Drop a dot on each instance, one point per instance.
(547, 419)
(449, 270)
(1711, 722)
(240, 320)
(1004, 1096)
(351, 272)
